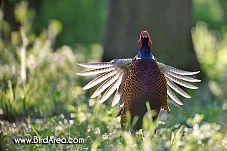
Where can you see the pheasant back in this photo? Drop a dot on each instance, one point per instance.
(145, 83)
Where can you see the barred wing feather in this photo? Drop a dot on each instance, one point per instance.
(174, 75)
(113, 75)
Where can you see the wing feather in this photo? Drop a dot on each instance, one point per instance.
(113, 74)
(177, 89)
(96, 65)
(173, 96)
(174, 75)
(182, 72)
(168, 69)
(99, 79)
(111, 89)
(118, 97)
(181, 82)
(95, 71)
(105, 85)
(182, 77)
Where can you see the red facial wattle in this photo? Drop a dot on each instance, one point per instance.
(144, 34)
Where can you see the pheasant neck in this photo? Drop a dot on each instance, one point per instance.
(144, 53)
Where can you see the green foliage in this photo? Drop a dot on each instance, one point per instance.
(82, 20)
(101, 134)
(214, 12)
(47, 74)
(211, 51)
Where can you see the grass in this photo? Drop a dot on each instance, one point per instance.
(102, 131)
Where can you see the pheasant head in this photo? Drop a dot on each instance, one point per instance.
(144, 43)
(144, 39)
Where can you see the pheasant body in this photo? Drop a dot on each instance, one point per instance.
(145, 83)
(138, 81)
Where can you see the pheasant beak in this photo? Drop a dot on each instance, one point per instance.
(144, 35)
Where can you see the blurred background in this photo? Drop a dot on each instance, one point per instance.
(42, 40)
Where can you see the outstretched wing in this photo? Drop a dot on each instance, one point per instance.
(113, 75)
(176, 76)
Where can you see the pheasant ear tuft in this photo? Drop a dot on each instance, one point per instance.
(140, 42)
(149, 42)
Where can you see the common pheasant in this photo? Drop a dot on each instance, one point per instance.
(137, 81)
